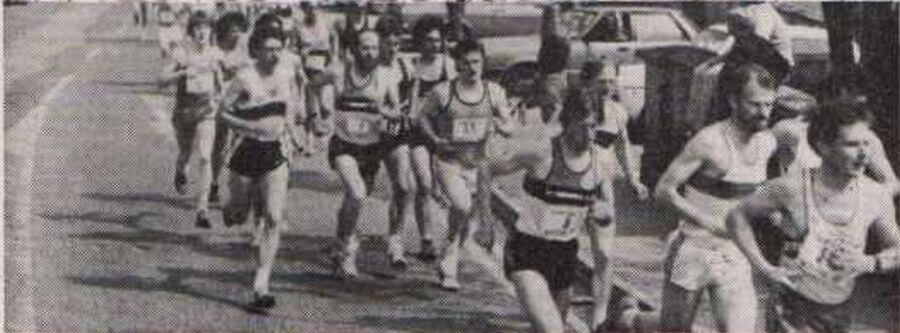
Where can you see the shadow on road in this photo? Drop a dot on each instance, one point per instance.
(173, 283)
(448, 320)
(128, 221)
(132, 198)
(365, 290)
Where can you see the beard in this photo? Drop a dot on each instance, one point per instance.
(754, 124)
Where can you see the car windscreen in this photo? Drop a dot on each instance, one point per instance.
(577, 23)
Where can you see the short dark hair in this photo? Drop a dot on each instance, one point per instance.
(231, 19)
(389, 26)
(425, 25)
(826, 124)
(196, 19)
(259, 37)
(465, 46)
(581, 102)
(734, 79)
(268, 20)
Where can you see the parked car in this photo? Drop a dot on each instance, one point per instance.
(610, 32)
(810, 51)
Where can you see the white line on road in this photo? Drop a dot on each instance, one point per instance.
(27, 130)
(21, 142)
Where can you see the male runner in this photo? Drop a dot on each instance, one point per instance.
(718, 167)
(829, 212)
(397, 160)
(459, 116)
(364, 113)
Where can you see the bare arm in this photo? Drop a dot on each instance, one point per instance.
(755, 208)
(430, 107)
(886, 228)
(601, 230)
(172, 72)
(391, 107)
(881, 168)
(626, 157)
(684, 166)
(503, 119)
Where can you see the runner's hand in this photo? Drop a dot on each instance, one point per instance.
(640, 190)
(852, 262)
(781, 276)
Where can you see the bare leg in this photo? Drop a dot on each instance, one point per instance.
(424, 201)
(401, 209)
(184, 136)
(203, 140)
(455, 188)
(734, 304)
(218, 158)
(679, 307)
(274, 189)
(354, 196)
(537, 301)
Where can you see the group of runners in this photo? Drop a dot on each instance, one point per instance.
(253, 86)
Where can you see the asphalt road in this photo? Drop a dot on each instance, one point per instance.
(96, 239)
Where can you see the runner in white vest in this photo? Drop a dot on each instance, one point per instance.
(829, 212)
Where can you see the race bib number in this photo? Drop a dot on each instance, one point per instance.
(469, 130)
(357, 126)
(561, 221)
(815, 258)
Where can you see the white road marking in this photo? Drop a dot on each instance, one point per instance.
(24, 134)
(21, 142)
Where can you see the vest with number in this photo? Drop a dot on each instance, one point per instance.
(810, 252)
(556, 207)
(358, 117)
(465, 124)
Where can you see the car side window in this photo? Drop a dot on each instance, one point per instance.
(654, 27)
(609, 28)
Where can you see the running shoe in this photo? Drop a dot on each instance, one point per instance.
(180, 183)
(202, 221)
(395, 253)
(449, 283)
(262, 301)
(345, 260)
(447, 268)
